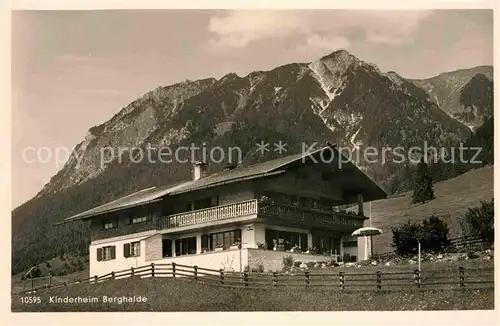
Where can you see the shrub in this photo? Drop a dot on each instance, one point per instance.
(432, 233)
(297, 263)
(479, 221)
(435, 232)
(405, 237)
(287, 262)
(310, 264)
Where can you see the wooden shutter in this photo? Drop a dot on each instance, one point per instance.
(99, 254)
(113, 252)
(126, 250)
(115, 223)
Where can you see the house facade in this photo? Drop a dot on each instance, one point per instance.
(245, 217)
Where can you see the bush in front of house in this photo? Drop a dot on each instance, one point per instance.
(432, 233)
(479, 221)
(287, 263)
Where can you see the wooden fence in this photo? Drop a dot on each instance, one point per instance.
(399, 280)
(468, 243)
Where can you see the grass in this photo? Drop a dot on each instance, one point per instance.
(453, 197)
(166, 294)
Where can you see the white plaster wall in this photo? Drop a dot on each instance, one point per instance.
(120, 262)
(228, 260)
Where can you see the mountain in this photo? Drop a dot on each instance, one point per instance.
(337, 98)
(466, 94)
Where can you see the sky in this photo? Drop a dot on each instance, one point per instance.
(72, 70)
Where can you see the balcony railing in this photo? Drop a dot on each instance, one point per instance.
(211, 214)
(250, 207)
(310, 215)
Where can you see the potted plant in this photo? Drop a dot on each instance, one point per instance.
(261, 246)
(312, 250)
(236, 245)
(295, 249)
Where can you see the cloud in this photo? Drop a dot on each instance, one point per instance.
(322, 43)
(238, 29)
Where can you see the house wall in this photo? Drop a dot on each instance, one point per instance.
(307, 182)
(228, 260)
(98, 233)
(227, 194)
(120, 262)
(273, 260)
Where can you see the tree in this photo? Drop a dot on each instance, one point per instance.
(423, 190)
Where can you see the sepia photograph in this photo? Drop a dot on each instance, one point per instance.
(252, 160)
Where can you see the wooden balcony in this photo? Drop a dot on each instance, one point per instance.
(311, 216)
(206, 215)
(301, 215)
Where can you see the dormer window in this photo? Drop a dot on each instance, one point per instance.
(139, 219)
(109, 224)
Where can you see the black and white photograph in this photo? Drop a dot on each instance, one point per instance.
(252, 160)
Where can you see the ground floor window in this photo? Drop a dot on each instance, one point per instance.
(327, 244)
(223, 240)
(132, 249)
(167, 247)
(106, 253)
(186, 246)
(285, 240)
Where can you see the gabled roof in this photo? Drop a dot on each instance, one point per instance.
(259, 170)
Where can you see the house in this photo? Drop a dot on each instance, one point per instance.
(243, 217)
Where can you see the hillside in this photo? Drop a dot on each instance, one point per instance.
(453, 197)
(163, 294)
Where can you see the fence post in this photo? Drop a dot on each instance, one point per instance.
(112, 275)
(173, 269)
(417, 278)
(195, 272)
(342, 281)
(379, 281)
(32, 284)
(50, 279)
(221, 276)
(275, 278)
(307, 278)
(131, 272)
(152, 269)
(462, 276)
(245, 277)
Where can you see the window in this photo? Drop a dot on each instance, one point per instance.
(167, 247)
(226, 239)
(109, 224)
(106, 253)
(186, 246)
(284, 240)
(139, 219)
(202, 203)
(132, 249)
(351, 243)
